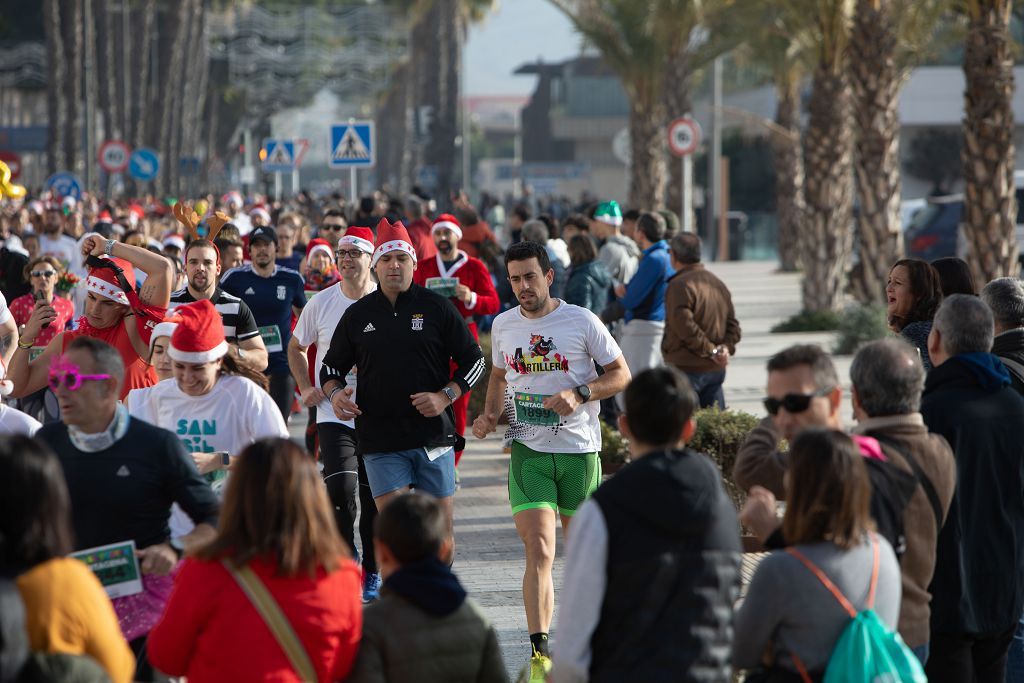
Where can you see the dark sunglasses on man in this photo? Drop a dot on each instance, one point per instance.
(794, 403)
(335, 228)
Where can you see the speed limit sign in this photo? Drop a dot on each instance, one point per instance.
(113, 156)
(683, 136)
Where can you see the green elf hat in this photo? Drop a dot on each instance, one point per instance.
(609, 212)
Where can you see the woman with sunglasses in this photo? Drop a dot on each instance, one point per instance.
(215, 406)
(790, 620)
(114, 313)
(42, 274)
(913, 293)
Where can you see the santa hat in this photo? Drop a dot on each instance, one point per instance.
(446, 220)
(103, 281)
(260, 212)
(320, 244)
(361, 238)
(177, 241)
(163, 329)
(609, 212)
(392, 237)
(199, 336)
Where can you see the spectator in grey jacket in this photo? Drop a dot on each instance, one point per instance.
(424, 629)
(788, 611)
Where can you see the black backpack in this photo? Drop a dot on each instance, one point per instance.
(18, 664)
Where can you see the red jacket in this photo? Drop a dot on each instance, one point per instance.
(475, 235)
(471, 272)
(210, 632)
(422, 242)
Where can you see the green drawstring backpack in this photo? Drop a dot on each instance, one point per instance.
(867, 651)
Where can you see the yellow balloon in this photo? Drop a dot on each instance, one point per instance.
(15, 191)
(201, 207)
(5, 174)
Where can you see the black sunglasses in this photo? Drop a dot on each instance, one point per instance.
(794, 403)
(335, 228)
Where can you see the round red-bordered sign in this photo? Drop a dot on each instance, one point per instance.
(684, 136)
(113, 156)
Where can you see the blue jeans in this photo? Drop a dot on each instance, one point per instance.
(1015, 657)
(708, 386)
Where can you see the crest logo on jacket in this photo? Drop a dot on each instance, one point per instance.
(417, 322)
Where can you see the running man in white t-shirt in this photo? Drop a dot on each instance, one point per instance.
(544, 353)
(344, 469)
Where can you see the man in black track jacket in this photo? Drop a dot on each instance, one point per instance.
(400, 341)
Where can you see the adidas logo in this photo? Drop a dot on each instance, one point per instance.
(249, 290)
(123, 471)
(369, 327)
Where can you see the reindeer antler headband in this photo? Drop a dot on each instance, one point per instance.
(191, 220)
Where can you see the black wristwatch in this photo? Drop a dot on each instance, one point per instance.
(583, 391)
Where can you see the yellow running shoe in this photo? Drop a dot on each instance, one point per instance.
(536, 670)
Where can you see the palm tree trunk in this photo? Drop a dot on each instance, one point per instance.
(441, 149)
(677, 103)
(828, 151)
(647, 138)
(71, 13)
(56, 96)
(169, 98)
(106, 71)
(789, 172)
(142, 105)
(990, 206)
(876, 82)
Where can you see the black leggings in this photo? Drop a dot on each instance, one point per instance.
(282, 392)
(345, 476)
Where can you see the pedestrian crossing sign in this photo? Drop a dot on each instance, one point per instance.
(280, 156)
(352, 145)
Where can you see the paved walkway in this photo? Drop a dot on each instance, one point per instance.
(489, 558)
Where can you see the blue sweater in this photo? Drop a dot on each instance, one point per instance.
(645, 293)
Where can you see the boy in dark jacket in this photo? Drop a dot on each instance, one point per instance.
(424, 628)
(653, 566)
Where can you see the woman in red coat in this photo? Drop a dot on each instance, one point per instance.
(276, 520)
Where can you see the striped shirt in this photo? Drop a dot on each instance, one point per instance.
(239, 323)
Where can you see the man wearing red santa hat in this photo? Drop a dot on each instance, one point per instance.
(465, 280)
(401, 339)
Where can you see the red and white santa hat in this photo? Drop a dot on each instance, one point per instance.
(199, 336)
(392, 237)
(103, 282)
(175, 240)
(260, 212)
(361, 238)
(162, 329)
(321, 245)
(446, 220)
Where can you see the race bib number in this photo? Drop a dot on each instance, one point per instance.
(116, 566)
(271, 338)
(530, 410)
(445, 286)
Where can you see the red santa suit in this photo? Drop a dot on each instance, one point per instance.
(472, 273)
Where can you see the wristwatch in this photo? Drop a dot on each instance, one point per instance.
(450, 393)
(583, 391)
(225, 459)
(109, 248)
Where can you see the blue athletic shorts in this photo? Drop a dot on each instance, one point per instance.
(389, 472)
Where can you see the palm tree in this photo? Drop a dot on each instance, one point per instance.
(634, 44)
(828, 149)
(990, 206)
(887, 39)
(55, 96)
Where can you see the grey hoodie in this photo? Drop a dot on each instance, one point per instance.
(621, 256)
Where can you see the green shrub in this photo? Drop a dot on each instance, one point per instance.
(859, 325)
(809, 321)
(720, 434)
(614, 446)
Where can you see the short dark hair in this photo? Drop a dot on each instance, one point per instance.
(550, 223)
(577, 220)
(524, 251)
(201, 242)
(367, 205)
(522, 212)
(659, 402)
(335, 213)
(413, 527)
(224, 243)
(106, 358)
(35, 509)
(651, 225)
(954, 276)
(582, 249)
(631, 214)
(811, 355)
(686, 247)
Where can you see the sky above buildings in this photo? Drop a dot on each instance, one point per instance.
(517, 31)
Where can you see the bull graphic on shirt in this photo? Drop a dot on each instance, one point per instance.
(539, 346)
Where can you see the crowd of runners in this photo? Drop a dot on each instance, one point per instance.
(153, 356)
